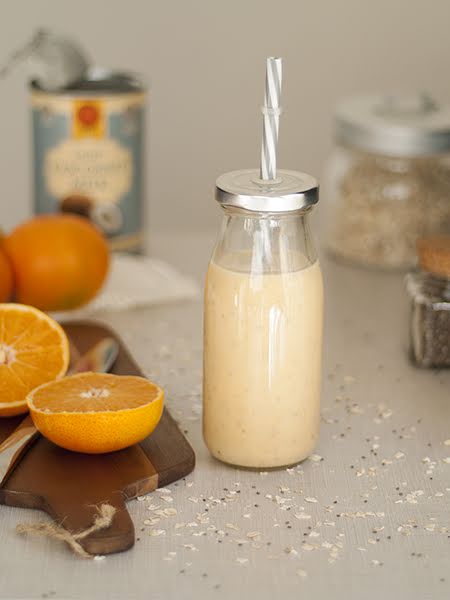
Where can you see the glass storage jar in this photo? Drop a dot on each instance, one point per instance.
(387, 183)
(263, 321)
(429, 292)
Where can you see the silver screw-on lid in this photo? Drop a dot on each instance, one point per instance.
(394, 125)
(244, 189)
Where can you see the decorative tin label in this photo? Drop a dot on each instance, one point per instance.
(88, 119)
(99, 169)
(88, 159)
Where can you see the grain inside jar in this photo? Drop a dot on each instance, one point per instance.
(388, 181)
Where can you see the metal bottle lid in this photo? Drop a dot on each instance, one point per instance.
(394, 125)
(245, 189)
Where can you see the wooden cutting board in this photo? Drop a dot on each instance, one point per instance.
(69, 486)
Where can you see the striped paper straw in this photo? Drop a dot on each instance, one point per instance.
(271, 115)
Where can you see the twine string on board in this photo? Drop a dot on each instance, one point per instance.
(102, 520)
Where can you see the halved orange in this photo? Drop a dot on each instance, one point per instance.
(96, 412)
(33, 350)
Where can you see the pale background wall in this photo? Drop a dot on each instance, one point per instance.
(205, 60)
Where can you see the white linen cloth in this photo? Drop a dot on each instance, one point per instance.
(135, 281)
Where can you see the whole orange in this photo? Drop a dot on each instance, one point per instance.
(59, 261)
(6, 277)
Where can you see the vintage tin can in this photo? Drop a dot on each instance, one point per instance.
(88, 153)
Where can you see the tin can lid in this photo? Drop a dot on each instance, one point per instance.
(56, 61)
(100, 80)
(394, 125)
(245, 189)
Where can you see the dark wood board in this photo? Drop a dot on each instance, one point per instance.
(69, 486)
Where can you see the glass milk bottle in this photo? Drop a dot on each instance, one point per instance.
(263, 323)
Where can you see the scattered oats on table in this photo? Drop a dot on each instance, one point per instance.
(315, 458)
(307, 547)
(253, 534)
(157, 532)
(302, 516)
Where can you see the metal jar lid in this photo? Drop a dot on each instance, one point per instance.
(244, 189)
(394, 125)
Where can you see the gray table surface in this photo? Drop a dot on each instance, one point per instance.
(367, 517)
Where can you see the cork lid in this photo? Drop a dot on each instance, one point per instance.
(434, 255)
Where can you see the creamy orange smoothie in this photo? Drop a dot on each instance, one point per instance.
(262, 363)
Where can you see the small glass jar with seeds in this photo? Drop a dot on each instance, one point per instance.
(387, 184)
(429, 292)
